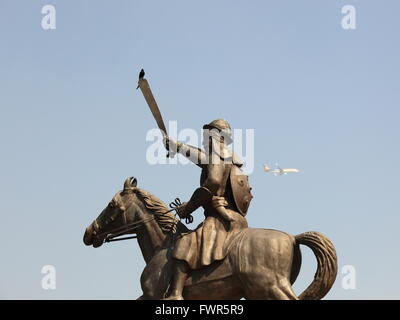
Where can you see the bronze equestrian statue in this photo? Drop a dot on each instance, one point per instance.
(222, 258)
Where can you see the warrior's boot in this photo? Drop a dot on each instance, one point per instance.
(180, 274)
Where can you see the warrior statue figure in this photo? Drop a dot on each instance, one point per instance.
(225, 195)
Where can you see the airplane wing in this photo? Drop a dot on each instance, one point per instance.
(275, 172)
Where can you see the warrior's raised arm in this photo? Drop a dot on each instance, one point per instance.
(194, 154)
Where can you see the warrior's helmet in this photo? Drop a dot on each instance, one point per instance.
(223, 128)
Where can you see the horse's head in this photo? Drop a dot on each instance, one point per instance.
(114, 216)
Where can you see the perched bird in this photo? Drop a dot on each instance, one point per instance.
(141, 75)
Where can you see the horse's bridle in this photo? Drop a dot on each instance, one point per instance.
(111, 235)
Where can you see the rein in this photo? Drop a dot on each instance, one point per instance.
(112, 234)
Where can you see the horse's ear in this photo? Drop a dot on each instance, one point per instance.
(130, 183)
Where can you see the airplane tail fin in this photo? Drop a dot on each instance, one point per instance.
(266, 168)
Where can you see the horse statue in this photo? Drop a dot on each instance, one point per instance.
(261, 263)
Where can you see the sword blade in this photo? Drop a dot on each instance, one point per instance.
(148, 95)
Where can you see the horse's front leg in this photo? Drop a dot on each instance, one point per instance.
(156, 276)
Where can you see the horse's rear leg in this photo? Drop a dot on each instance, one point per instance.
(265, 290)
(282, 293)
(286, 292)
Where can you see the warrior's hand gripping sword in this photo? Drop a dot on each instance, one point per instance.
(148, 95)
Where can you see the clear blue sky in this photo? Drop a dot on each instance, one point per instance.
(73, 127)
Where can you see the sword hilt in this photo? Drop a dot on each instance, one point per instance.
(171, 154)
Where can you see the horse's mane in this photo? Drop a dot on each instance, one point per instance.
(166, 220)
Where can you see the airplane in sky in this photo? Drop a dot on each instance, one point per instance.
(279, 171)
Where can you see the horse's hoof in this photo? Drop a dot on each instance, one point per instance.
(173, 298)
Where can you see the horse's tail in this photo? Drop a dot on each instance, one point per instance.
(327, 264)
